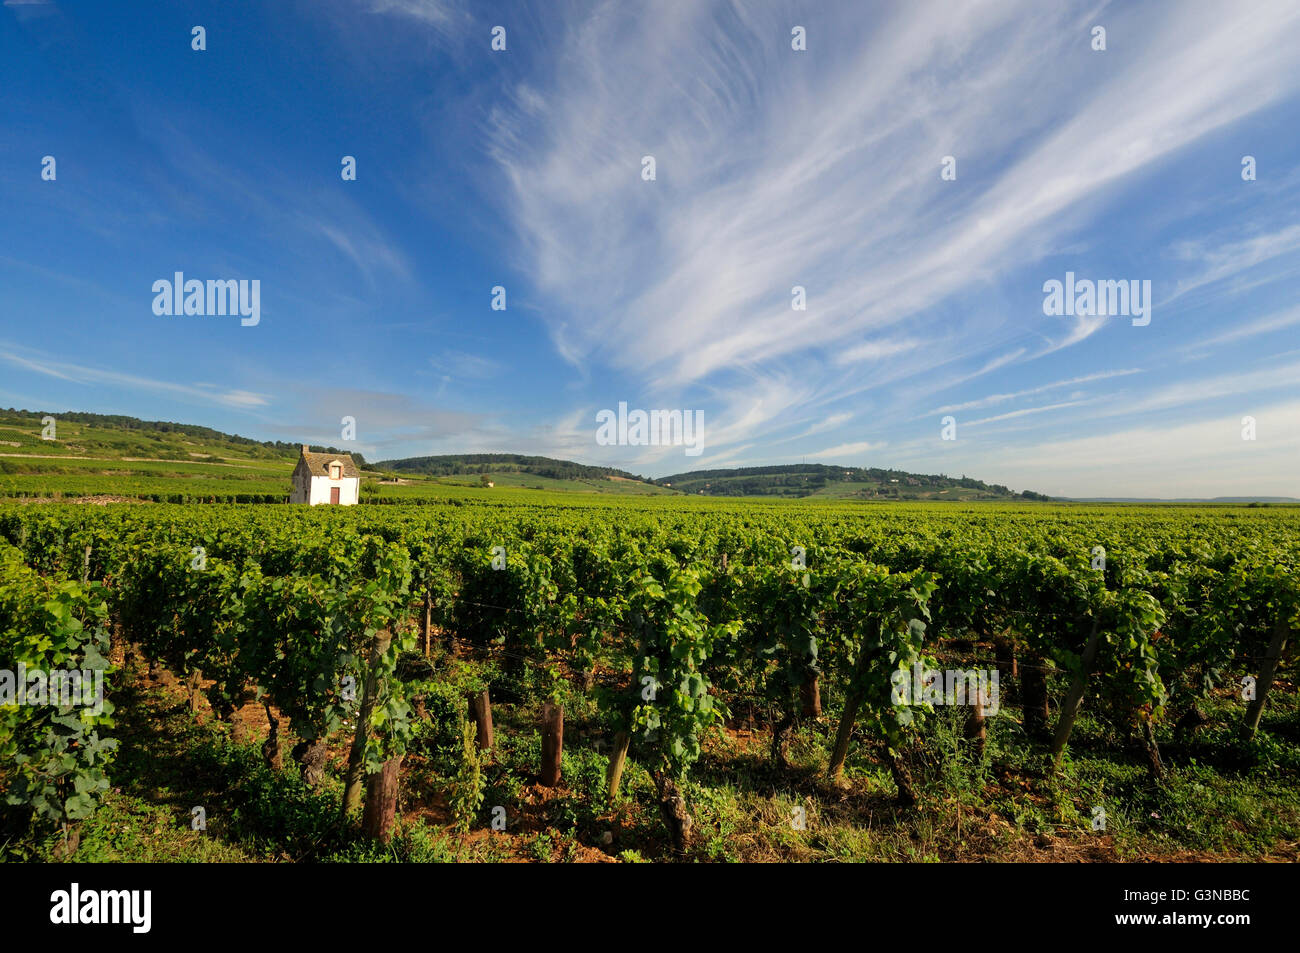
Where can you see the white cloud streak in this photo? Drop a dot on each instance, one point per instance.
(81, 374)
(992, 399)
(775, 171)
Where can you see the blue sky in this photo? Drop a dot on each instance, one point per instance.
(774, 168)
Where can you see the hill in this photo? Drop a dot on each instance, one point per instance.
(815, 479)
(115, 436)
(513, 469)
(107, 456)
(86, 455)
(115, 455)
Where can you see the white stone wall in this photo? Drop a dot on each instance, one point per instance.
(349, 490)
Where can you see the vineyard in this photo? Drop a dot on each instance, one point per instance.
(652, 679)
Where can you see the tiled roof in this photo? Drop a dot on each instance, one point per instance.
(318, 464)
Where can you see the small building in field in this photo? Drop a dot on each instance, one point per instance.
(326, 478)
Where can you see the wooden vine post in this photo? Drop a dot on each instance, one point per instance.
(480, 712)
(428, 620)
(1033, 694)
(1005, 651)
(194, 685)
(617, 759)
(811, 696)
(552, 743)
(975, 728)
(380, 812)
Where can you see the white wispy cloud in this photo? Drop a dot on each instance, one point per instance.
(244, 398)
(1200, 456)
(82, 374)
(362, 244)
(387, 424)
(844, 451)
(1277, 321)
(876, 350)
(459, 364)
(440, 13)
(1226, 259)
(1213, 387)
(1210, 453)
(992, 399)
(830, 423)
(1012, 414)
(823, 172)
